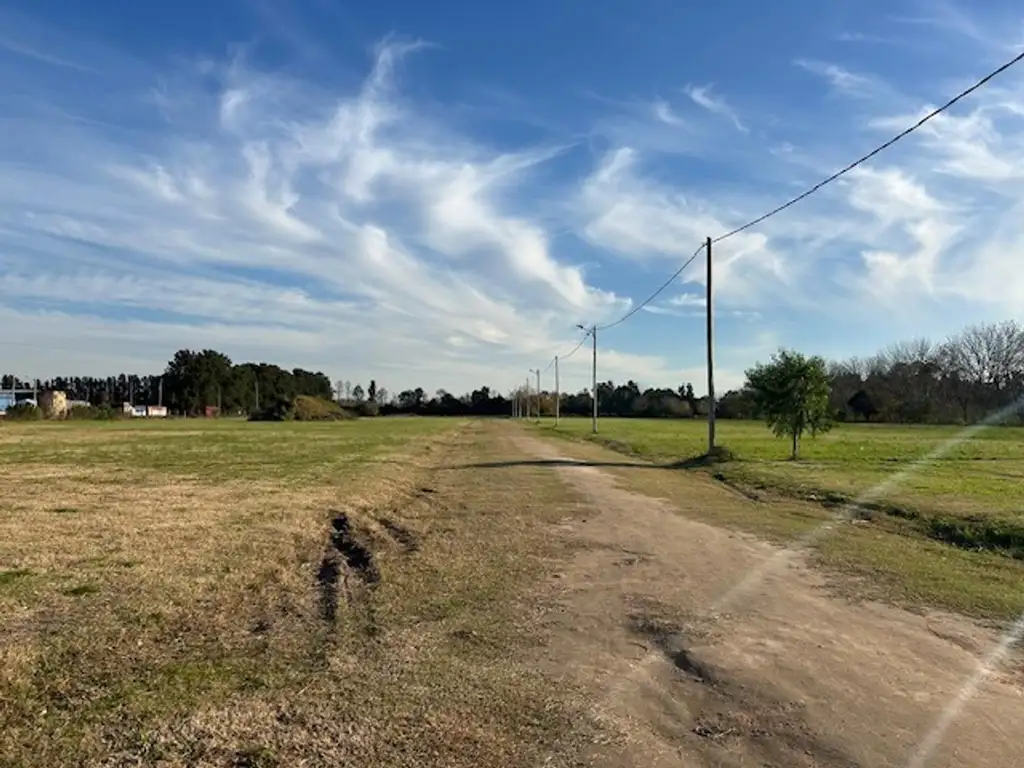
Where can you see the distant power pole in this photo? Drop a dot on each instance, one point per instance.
(160, 392)
(537, 371)
(538, 394)
(711, 357)
(558, 393)
(593, 333)
(527, 396)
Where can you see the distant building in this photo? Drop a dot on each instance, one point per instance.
(157, 411)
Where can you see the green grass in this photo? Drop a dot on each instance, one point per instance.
(293, 452)
(968, 492)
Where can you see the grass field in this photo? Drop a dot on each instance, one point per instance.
(228, 593)
(982, 474)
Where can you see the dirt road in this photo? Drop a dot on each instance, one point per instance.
(683, 668)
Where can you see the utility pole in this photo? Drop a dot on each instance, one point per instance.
(537, 371)
(593, 391)
(538, 395)
(711, 357)
(160, 392)
(558, 393)
(526, 396)
(593, 334)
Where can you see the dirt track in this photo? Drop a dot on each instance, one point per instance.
(683, 669)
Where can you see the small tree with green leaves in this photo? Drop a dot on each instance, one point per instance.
(792, 391)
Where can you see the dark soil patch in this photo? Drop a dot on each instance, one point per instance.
(410, 541)
(357, 556)
(668, 639)
(82, 590)
(327, 579)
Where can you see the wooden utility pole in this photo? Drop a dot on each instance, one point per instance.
(537, 371)
(593, 333)
(711, 356)
(558, 393)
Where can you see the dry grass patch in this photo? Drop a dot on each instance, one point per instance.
(171, 618)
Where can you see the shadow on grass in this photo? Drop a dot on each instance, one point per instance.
(696, 462)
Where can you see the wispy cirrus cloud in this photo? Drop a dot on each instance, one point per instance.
(368, 218)
(269, 207)
(703, 97)
(840, 78)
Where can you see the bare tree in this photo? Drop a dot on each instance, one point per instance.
(984, 364)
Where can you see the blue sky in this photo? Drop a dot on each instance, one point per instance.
(436, 193)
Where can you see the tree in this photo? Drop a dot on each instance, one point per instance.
(792, 391)
(983, 365)
(862, 405)
(357, 393)
(371, 393)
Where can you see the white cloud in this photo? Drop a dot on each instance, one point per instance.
(329, 230)
(353, 229)
(703, 97)
(641, 219)
(839, 77)
(688, 300)
(663, 111)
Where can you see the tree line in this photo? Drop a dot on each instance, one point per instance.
(958, 380)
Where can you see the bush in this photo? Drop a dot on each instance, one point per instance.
(95, 413)
(308, 408)
(24, 412)
(302, 408)
(368, 408)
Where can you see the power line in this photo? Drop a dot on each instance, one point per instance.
(574, 349)
(881, 148)
(793, 201)
(654, 295)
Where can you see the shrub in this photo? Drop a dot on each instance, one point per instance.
(308, 408)
(368, 408)
(302, 408)
(24, 412)
(95, 413)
